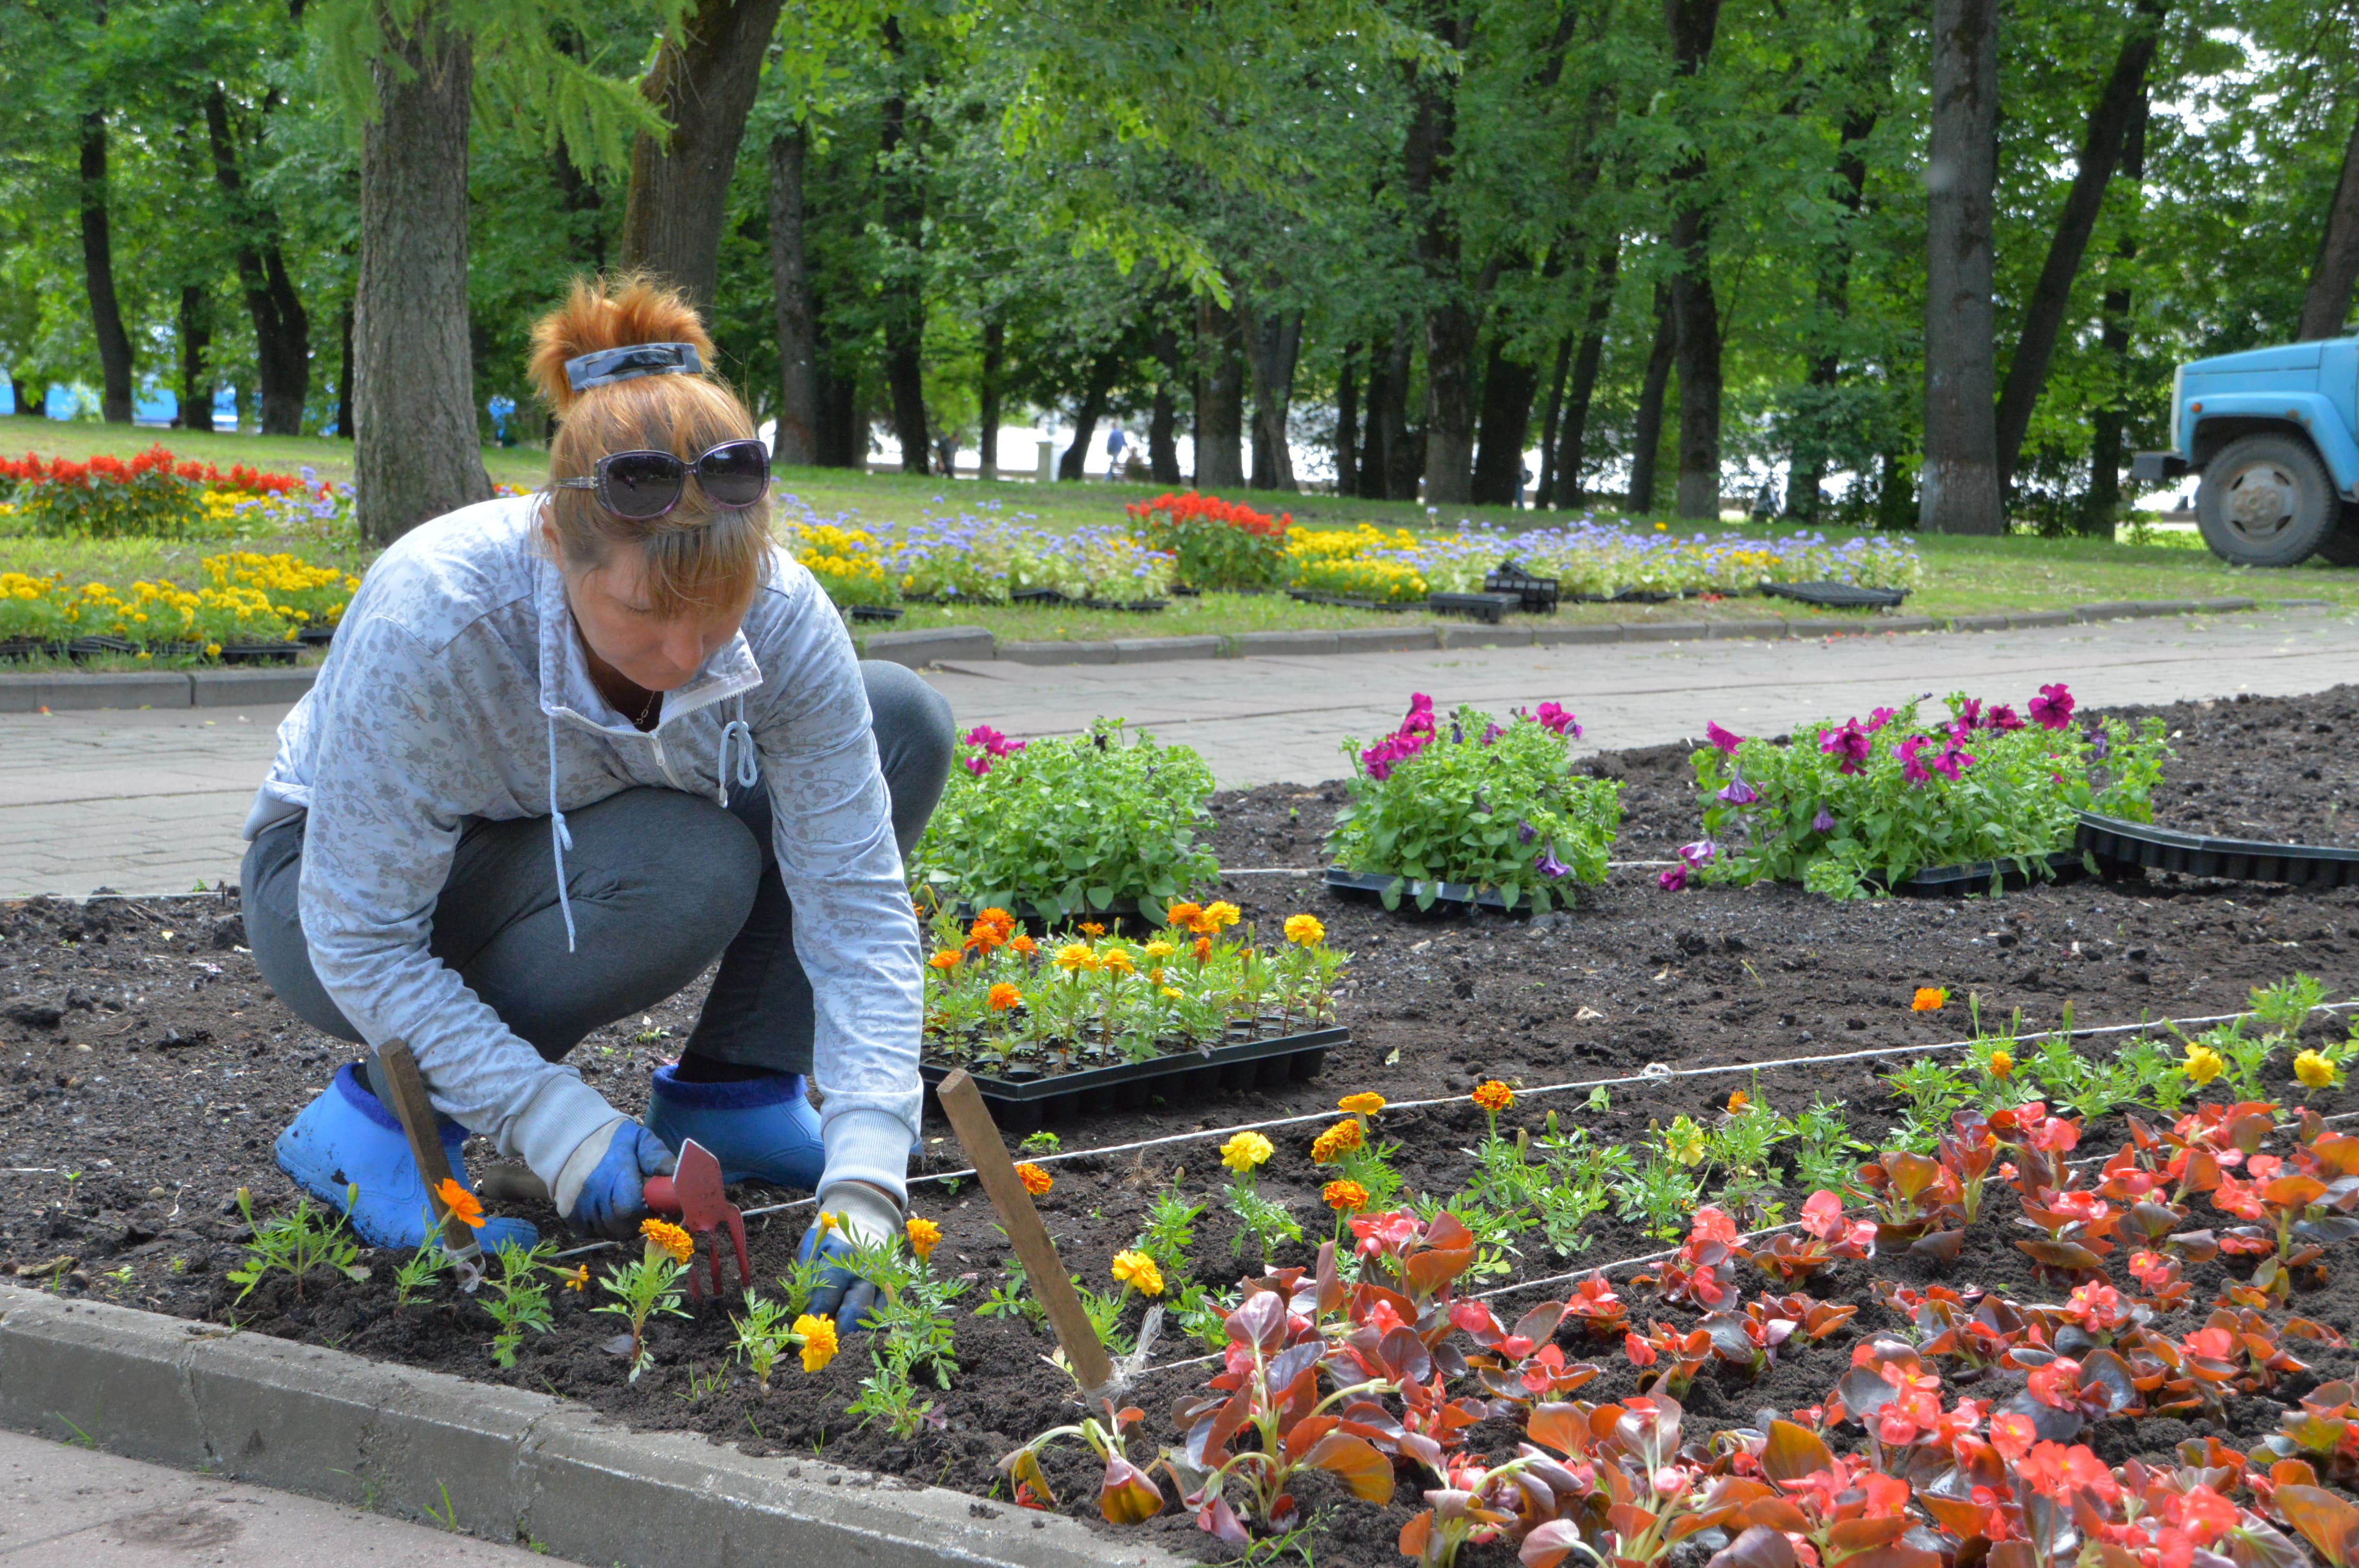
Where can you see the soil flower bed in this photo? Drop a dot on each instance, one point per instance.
(1635, 1237)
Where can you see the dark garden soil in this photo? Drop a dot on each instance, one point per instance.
(145, 1070)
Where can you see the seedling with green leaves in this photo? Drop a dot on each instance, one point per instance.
(297, 1243)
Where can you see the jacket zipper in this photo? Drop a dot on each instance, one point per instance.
(663, 759)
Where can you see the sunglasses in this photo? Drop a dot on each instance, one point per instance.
(643, 486)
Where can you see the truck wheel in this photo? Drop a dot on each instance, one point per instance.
(2340, 545)
(2265, 501)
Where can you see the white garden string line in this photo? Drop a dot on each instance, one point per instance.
(1666, 1075)
(1318, 871)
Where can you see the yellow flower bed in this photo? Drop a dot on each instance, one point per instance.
(846, 560)
(250, 599)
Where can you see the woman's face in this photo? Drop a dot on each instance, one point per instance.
(655, 652)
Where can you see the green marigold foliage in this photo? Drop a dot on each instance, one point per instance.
(1071, 825)
(1470, 801)
(2016, 801)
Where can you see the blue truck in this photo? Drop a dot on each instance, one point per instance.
(2275, 435)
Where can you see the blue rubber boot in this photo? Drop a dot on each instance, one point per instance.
(347, 1138)
(761, 1130)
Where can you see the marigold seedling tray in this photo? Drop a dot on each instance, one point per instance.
(1021, 1104)
(1372, 885)
(2115, 841)
(1488, 608)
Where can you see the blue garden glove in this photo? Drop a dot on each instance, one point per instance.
(864, 1216)
(603, 1187)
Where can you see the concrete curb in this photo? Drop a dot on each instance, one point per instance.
(226, 689)
(511, 1465)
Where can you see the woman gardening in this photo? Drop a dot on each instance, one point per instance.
(567, 750)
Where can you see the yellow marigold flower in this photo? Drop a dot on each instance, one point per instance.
(1075, 957)
(1365, 1103)
(1173, 993)
(924, 1237)
(1493, 1095)
(1036, 1180)
(2204, 1063)
(818, 1336)
(1304, 930)
(1344, 1197)
(2314, 1069)
(1245, 1150)
(464, 1205)
(580, 1279)
(663, 1236)
(1159, 948)
(1929, 998)
(1116, 961)
(1222, 914)
(1684, 1140)
(1004, 997)
(2001, 1064)
(1184, 915)
(1138, 1271)
(1335, 1142)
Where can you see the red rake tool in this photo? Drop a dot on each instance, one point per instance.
(693, 1191)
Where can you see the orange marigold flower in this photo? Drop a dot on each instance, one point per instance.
(1184, 915)
(1493, 1095)
(1024, 944)
(924, 1237)
(1365, 1103)
(464, 1207)
(1005, 996)
(663, 1236)
(985, 938)
(944, 960)
(1738, 1101)
(999, 920)
(580, 1279)
(1203, 948)
(1116, 961)
(1092, 929)
(1929, 998)
(1344, 1197)
(1335, 1142)
(1036, 1180)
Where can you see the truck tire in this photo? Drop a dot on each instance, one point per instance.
(2340, 545)
(2266, 501)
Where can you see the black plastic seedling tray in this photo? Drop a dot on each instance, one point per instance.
(877, 612)
(1538, 594)
(1959, 882)
(1350, 601)
(1372, 884)
(1021, 1104)
(1491, 607)
(2117, 842)
(1837, 595)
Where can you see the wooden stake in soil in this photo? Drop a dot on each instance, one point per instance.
(416, 1113)
(987, 1152)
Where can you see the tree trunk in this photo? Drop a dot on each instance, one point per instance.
(196, 374)
(98, 273)
(1961, 493)
(1347, 422)
(903, 294)
(343, 377)
(1692, 25)
(843, 423)
(1574, 435)
(420, 453)
(1509, 386)
(2109, 422)
(1403, 454)
(795, 441)
(1102, 372)
(1808, 470)
(1219, 401)
(2327, 306)
(995, 370)
(282, 331)
(1544, 489)
(1273, 344)
(2043, 313)
(1449, 323)
(1646, 442)
(703, 84)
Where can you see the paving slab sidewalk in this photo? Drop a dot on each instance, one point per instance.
(151, 802)
(61, 1503)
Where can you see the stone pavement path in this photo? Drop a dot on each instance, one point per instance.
(61, 1504)
(151, 802)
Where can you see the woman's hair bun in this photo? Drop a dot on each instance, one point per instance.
(609, 313)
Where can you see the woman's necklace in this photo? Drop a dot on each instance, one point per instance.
(647, 712)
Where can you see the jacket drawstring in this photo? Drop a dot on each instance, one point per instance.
(560, 837)
(749, 773)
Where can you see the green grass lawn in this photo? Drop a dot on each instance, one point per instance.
(1963, 576)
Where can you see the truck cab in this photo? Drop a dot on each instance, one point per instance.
(2275, 435)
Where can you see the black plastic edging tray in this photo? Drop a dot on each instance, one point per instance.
(2197, 855)
(1959, 882)
(1021, 1106)
(1372, 884)
(1837, 595)
(1490, 608)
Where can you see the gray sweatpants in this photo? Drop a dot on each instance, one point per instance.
(661, 883)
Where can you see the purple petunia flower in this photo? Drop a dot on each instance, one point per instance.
(1970, 715)
(1953, 762)
(1824, 822)
(1525, 832)
(2052, 708)
(1849, 745)
(1491, 732)
(1699, 854)
(1556, 719)
(2100, 746)
(1880, 718)
(1548, 866)
(1721, 737)
(1673, 879)
(1738, 792)
(2002, 718)
(1911, 769)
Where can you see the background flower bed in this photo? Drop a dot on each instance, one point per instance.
(246, 598)
(158, 494)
